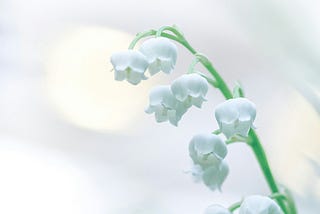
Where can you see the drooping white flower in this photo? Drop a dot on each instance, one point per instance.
(207, 150)
(257, 204)
(196, 172)
(216, 209)
(161, 54)
(214, 176)
(235, 116)
(190, 89)
(164, 105)
(130, 65)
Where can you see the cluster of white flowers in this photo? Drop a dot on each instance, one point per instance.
(207, 152)
(254, 204)
(169, 103)
(156, 54)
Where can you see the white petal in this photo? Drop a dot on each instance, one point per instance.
(119, 75)
(190, 89)
(154, 67)
(179, 90)
(129, 58)
(196, 172)
(161, 94)
(130, 65)
(214, 176)
(216, 209)
(135, 77)
(257, 204)
(198, 101)
(160, 52)
(207, 150)
(235, 116)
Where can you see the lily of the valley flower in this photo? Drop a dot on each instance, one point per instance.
(207, 150)
(161, 54)
(235, 116)
(164, 105)
(130, 65)
(214, 176)
(257, 204)
(216, 209)
(190, 89)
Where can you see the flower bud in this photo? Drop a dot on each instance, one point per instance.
(235, 116)
(130, 65)
(190, 89)
(257, 204)
(161, 54)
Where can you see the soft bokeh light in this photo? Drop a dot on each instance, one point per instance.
(80, 80)
(293, 150)
(37, 181)
(86, 146)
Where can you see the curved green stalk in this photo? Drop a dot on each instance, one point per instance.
(254, 141)
(260, 154)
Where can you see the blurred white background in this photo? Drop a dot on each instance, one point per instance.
(74, 141)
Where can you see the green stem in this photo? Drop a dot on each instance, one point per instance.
(260, 154)
(148, 33)
(221, 83)
(254, 141)
(235, 206)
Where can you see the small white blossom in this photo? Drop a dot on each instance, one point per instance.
(214, 176)
(130, 65)
(257, 204)
(235, 116)
(207, 150)
(196, 172)
(161, 54)
(164, 105)
(216, 209)
(190, 89)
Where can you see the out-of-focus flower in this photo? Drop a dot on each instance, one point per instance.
(130, 65)
(235, 116)
(196, 172)
(161, 54)
(216, 209)
(190, 89)
(207, 150)
(164, 105)
(257, 204)
(214, 176)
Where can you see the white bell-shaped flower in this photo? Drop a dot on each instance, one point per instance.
(216, 209)
(130, 65)
(207, 150)
(190, 89)
(161, 54)
(164, 105)
(214, 176)
(235, 116)
(257, 204)
(196, 172)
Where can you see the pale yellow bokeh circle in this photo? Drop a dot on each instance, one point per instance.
(81, 84)
(296, 151)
